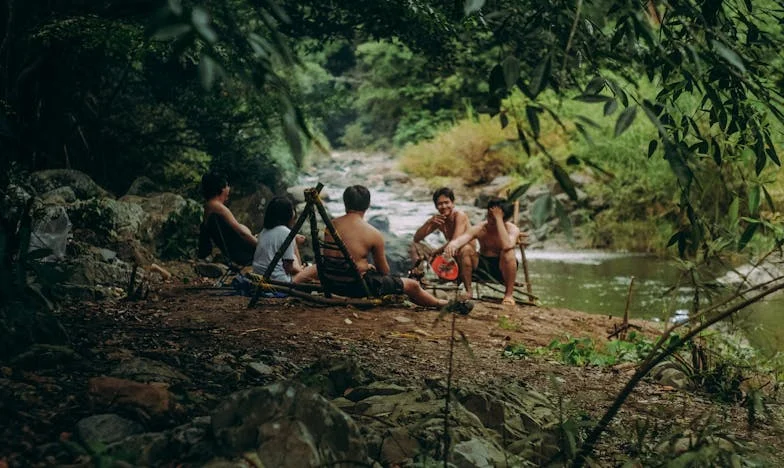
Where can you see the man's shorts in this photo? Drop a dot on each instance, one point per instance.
(489, 269)
(377, 283)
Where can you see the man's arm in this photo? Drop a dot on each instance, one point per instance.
(462, 224)
(461, 240)
(433, 223)
(506, 236)
(379, 256)
(234, 224)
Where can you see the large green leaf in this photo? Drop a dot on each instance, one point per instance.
(518, 192)
(511, 67)
(729, 55)
(625, 119)
(540, 76)
(564, 180)
(747, 235)
(540, 211)
(564, 221)
(754, 199)
(471, 6)
(532, 113)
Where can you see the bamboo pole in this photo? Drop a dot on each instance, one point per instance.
(625, 324)
(525, 271)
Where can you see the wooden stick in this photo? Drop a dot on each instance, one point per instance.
(525, 272)
(625, 323)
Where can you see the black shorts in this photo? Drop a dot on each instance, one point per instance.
(377, 283)
(489, 269)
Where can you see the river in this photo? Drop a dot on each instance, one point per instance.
(590, 281)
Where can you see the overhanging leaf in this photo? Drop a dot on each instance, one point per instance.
(511, 67)
(532, 113)
(471, 6)
(564, 221)
(754, 199)
(539, 77)
(564, 180)
(747, 235)
(729, 55)
(541, 209)
(518, 192)
(625, 119)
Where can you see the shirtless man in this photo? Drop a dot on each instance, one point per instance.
(362, 239)
(215, 189)
(497, 238)
(452, 223)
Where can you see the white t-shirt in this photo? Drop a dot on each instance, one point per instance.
(270, 241)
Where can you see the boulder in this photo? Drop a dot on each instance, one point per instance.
(149, 370)
(249, 210)
(478, 453)
(142, 186)
(82, 185)
(140, 450)
(380, 222)
(58, 196)
(104, 429)
(210, 270)
(286, 424)
(154, 398)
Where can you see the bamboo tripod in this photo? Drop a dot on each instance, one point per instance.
(313, 205)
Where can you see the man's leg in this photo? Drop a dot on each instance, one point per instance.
(309, 273)
(508, 265)
(419, 296)
(419, 252)
(468, 260)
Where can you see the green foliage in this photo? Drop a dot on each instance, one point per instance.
(583, 351)
(179, 237)
(472, 150)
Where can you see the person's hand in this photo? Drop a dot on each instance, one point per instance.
(522, 238)
(438, 220)
(300, 239)
(449, 251)
(497, 213)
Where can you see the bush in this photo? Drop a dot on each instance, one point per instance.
(475, 150)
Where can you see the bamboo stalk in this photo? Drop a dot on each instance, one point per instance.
(525, 272)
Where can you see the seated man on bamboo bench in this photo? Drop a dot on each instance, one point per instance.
(497, 238)
(363, 240)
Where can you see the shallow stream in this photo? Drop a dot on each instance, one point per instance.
(590, 281)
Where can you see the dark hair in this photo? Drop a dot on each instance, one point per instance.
(356, 198)
(278, 212)
(212, 185)
(505, 206)
(445, 191)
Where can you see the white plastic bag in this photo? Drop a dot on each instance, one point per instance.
(50, 231)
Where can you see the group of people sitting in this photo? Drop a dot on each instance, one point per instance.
(496, 235)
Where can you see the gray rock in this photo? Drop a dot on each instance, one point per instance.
(380, 222)
(260, 368)
(374, 388)
(107, 255)
(478, 453)
(148, 370)
(81, 184)
(396, 177)
(147, 449)
(210, 270)
(297, 192)
(104, 429)
(15, 199)
(58, 196)
(286, 424)
(142, 186)
(249, 210)
(44, 356)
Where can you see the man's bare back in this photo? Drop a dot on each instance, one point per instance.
(361, 239)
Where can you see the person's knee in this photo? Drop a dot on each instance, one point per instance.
(410, 286)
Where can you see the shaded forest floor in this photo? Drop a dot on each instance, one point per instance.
(210, 337)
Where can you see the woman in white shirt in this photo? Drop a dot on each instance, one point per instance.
(279, 217)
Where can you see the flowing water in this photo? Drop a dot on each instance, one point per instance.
(590, 281)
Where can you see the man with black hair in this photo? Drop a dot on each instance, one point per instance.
(215, 189)
(363, 240)
(497, 239)
(452, 223)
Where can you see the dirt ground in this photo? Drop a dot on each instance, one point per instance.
(188, 325)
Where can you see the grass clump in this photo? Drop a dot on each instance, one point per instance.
(475, 150)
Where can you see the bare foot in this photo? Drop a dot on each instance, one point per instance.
(508, 301)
